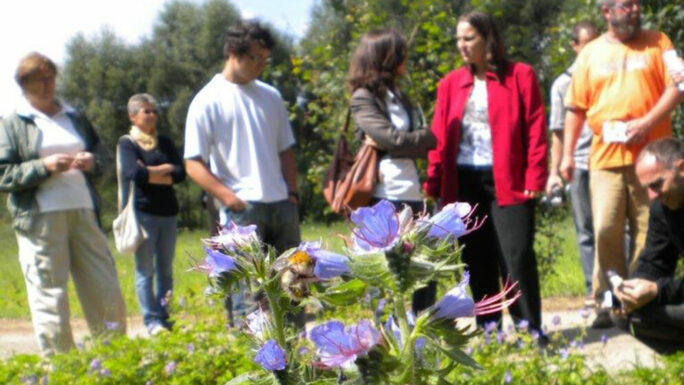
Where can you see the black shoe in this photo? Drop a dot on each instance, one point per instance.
(602, 320)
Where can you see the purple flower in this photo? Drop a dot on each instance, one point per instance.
(105, 373)
(492, 325)
(257, 322)
(215, 262)
(580, 344)
(234, 236)
(149, 382)
(556, 320)
(392, 328)
(604, 338)
(95, 364)
(500, 336)
(170, 368)
(450, 221)
(336, 346)
(563, 353)
(469, 350)
(457, 303)
(507, 377)
(534, 334)
(164, 302)
(573, 344)
(420, 344)
(585, 313)
(523, 325)
(380, 308)
(270, 356)
(111, 325)
(377, 227)
(190, 347)
(327, 264)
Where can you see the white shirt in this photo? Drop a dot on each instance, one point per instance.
(475, 147)
(240, 131)
(66, 190)
(398, 177)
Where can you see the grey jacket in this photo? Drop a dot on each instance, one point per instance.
(372, 118)
(22, 170)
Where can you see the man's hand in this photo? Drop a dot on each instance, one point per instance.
(553, 181)
(234, 203)
(636, 130)
(84, 161)
(58, 162)
(532, 193)
(635, 293)
(567, 168)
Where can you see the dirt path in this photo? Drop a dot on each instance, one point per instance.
(610, 348)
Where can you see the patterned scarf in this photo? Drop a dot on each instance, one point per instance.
(146, 141)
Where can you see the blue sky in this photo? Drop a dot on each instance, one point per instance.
(47, 25)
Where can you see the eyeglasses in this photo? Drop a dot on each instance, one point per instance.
(626, 6)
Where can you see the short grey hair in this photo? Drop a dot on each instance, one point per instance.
(666, 151)
(137, 100)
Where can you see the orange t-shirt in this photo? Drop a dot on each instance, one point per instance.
(620, 82)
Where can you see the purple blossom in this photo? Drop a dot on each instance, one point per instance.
(380, 308)
(534, 334)
(563, 353)
(336, 346)
(215, 262)
(392, 329)
(257, 322)
(270, 356)
(377, 227)
(410, 318)
(190, 347)
(170, 368)
(507, 377)
(30, 380)
(105, 372)
(420, 344)
(95, 364)
(457, 303)
(451, 220)
(164, 302)
(111, 325)
(585, 313)
(149, 382)
(492, 325)
(523, 325)
(500, 337)
(604, 338)
(469, 350)
(233, 236)
(556, 320)
(573, 344)
(327, 264)
(580, 344)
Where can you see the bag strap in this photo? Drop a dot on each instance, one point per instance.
(119, 179)
(346, 121)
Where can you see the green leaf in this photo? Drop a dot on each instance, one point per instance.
(346, 293)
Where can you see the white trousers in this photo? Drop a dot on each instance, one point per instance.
(60, 243)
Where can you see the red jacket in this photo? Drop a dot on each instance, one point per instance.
(516, 119)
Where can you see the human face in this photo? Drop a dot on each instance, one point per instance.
(250, 65)
(471, 45)
(146, 118)
(624, 18)
(40, 88)
(583, 37)
(662, 183)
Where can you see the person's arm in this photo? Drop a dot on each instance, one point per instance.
(432, 184)
(556, 155)
(574, 120)
(373, 122)
(178, 170)
(536, 172)
(199, 172)
(556, 121)
(288, 166)
(638, 129)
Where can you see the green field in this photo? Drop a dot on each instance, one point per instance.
(566, 278)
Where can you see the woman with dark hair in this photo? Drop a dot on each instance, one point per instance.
(384, 118)
(491, 151)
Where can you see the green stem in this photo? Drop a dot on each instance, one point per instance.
(406, 335)
(278, 317)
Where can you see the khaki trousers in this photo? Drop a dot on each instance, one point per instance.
(616, 197)
(60, 243)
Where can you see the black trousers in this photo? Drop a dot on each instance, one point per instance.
(660, 322)
(425, 296)
(501, 249)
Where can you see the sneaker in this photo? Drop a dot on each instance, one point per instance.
(602, 320)
(156, 329)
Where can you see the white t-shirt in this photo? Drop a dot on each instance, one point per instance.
(240, 131)
(398, 177)
(65, 190)
(475, 148)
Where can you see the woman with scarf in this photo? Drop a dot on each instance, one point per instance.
(152, 163)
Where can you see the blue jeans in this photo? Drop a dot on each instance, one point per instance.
(155, 256)
(277, 225)
(584, 229)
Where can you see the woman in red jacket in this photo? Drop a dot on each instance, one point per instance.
(491, 151)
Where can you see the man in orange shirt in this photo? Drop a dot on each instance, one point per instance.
(622, 89)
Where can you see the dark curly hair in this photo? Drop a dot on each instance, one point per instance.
(239, 38)
(375, 61)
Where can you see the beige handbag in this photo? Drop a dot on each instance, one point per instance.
(128, 232)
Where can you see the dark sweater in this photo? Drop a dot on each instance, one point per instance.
(664, 247)
(153, 199)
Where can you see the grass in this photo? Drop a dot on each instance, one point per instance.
(565, 279)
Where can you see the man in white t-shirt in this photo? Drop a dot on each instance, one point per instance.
(238, 143)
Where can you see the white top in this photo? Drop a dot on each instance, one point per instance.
(557, 119)
(64, 190)
(240, 131)
(398, 177)
(475, 148)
